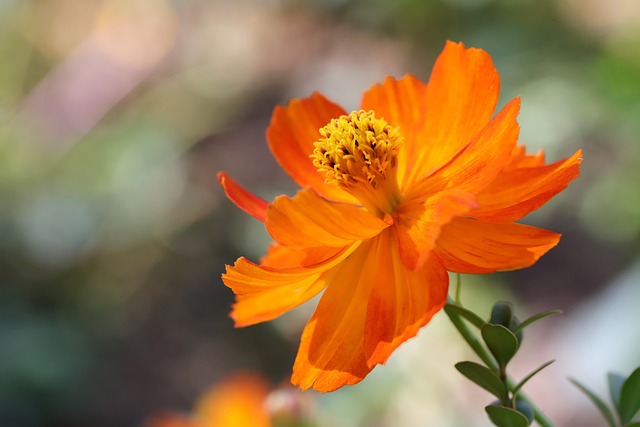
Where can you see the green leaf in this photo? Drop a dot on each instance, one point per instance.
(482, 376)
(528, 377)
(535, 318)
(506, 417)
(604, 409)
(634, 424)
(514, 326)
(502, 343)
(473, 318)
(501, 314)
(615, 386)
(630, 397)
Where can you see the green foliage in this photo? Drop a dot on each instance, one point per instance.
(502, 336)
(531, 375)
(501, 314)
(502, 343)
(615, 387)
(630, 397)
(525, 409)
(502, 416)
(514, 326)
(535, 318)
(469, 315)
(625, 394)
(484, 377)
(602, 407)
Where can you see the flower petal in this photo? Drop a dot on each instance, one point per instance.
(401, 103)
(291, 134)
(307, 220)
(519, 191)
(372, 305)
(418, 223)
(245, 200)
(331, 352)
(520, 159)
(401, 301)
(479, 163)
(264, 293)
(281, 257)
(461, 97)
(471, 246)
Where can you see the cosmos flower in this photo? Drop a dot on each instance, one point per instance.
(422, 180)
(237, 401)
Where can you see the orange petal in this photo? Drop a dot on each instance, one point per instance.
(401, 103)
(307, 220)
(472, 246)
(401, 301)
(461, 97)
(281, 257)
(519, 191)
(248, 202)
(372, 305)
(520, 159)
(478, 164)
(238, 401)
(291, 134)
(418, 223)
(265, 292)
(331, 352)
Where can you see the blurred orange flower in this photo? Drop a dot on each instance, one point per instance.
(422, 180)
(238, 401)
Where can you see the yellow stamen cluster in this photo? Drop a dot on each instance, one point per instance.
(359, 153)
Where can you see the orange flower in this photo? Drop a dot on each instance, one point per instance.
(422, 180)
(238, 401)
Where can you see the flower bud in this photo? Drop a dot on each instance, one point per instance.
(289, 407)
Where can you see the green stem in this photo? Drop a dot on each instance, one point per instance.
(468, 336)
(506, 400)
(539, 416)
(486, 357)
(458, 288)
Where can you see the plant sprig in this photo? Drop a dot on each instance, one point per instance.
(499, 340)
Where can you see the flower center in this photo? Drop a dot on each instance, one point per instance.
(359, 153)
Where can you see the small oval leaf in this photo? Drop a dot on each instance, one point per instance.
(502, 343)
(634, 424)
(482, 376)
(502, 416)
(630, 397)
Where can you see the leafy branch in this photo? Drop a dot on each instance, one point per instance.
(499, 341)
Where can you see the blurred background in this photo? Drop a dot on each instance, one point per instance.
(116, 115)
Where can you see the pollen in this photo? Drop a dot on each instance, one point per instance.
(359, 152)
